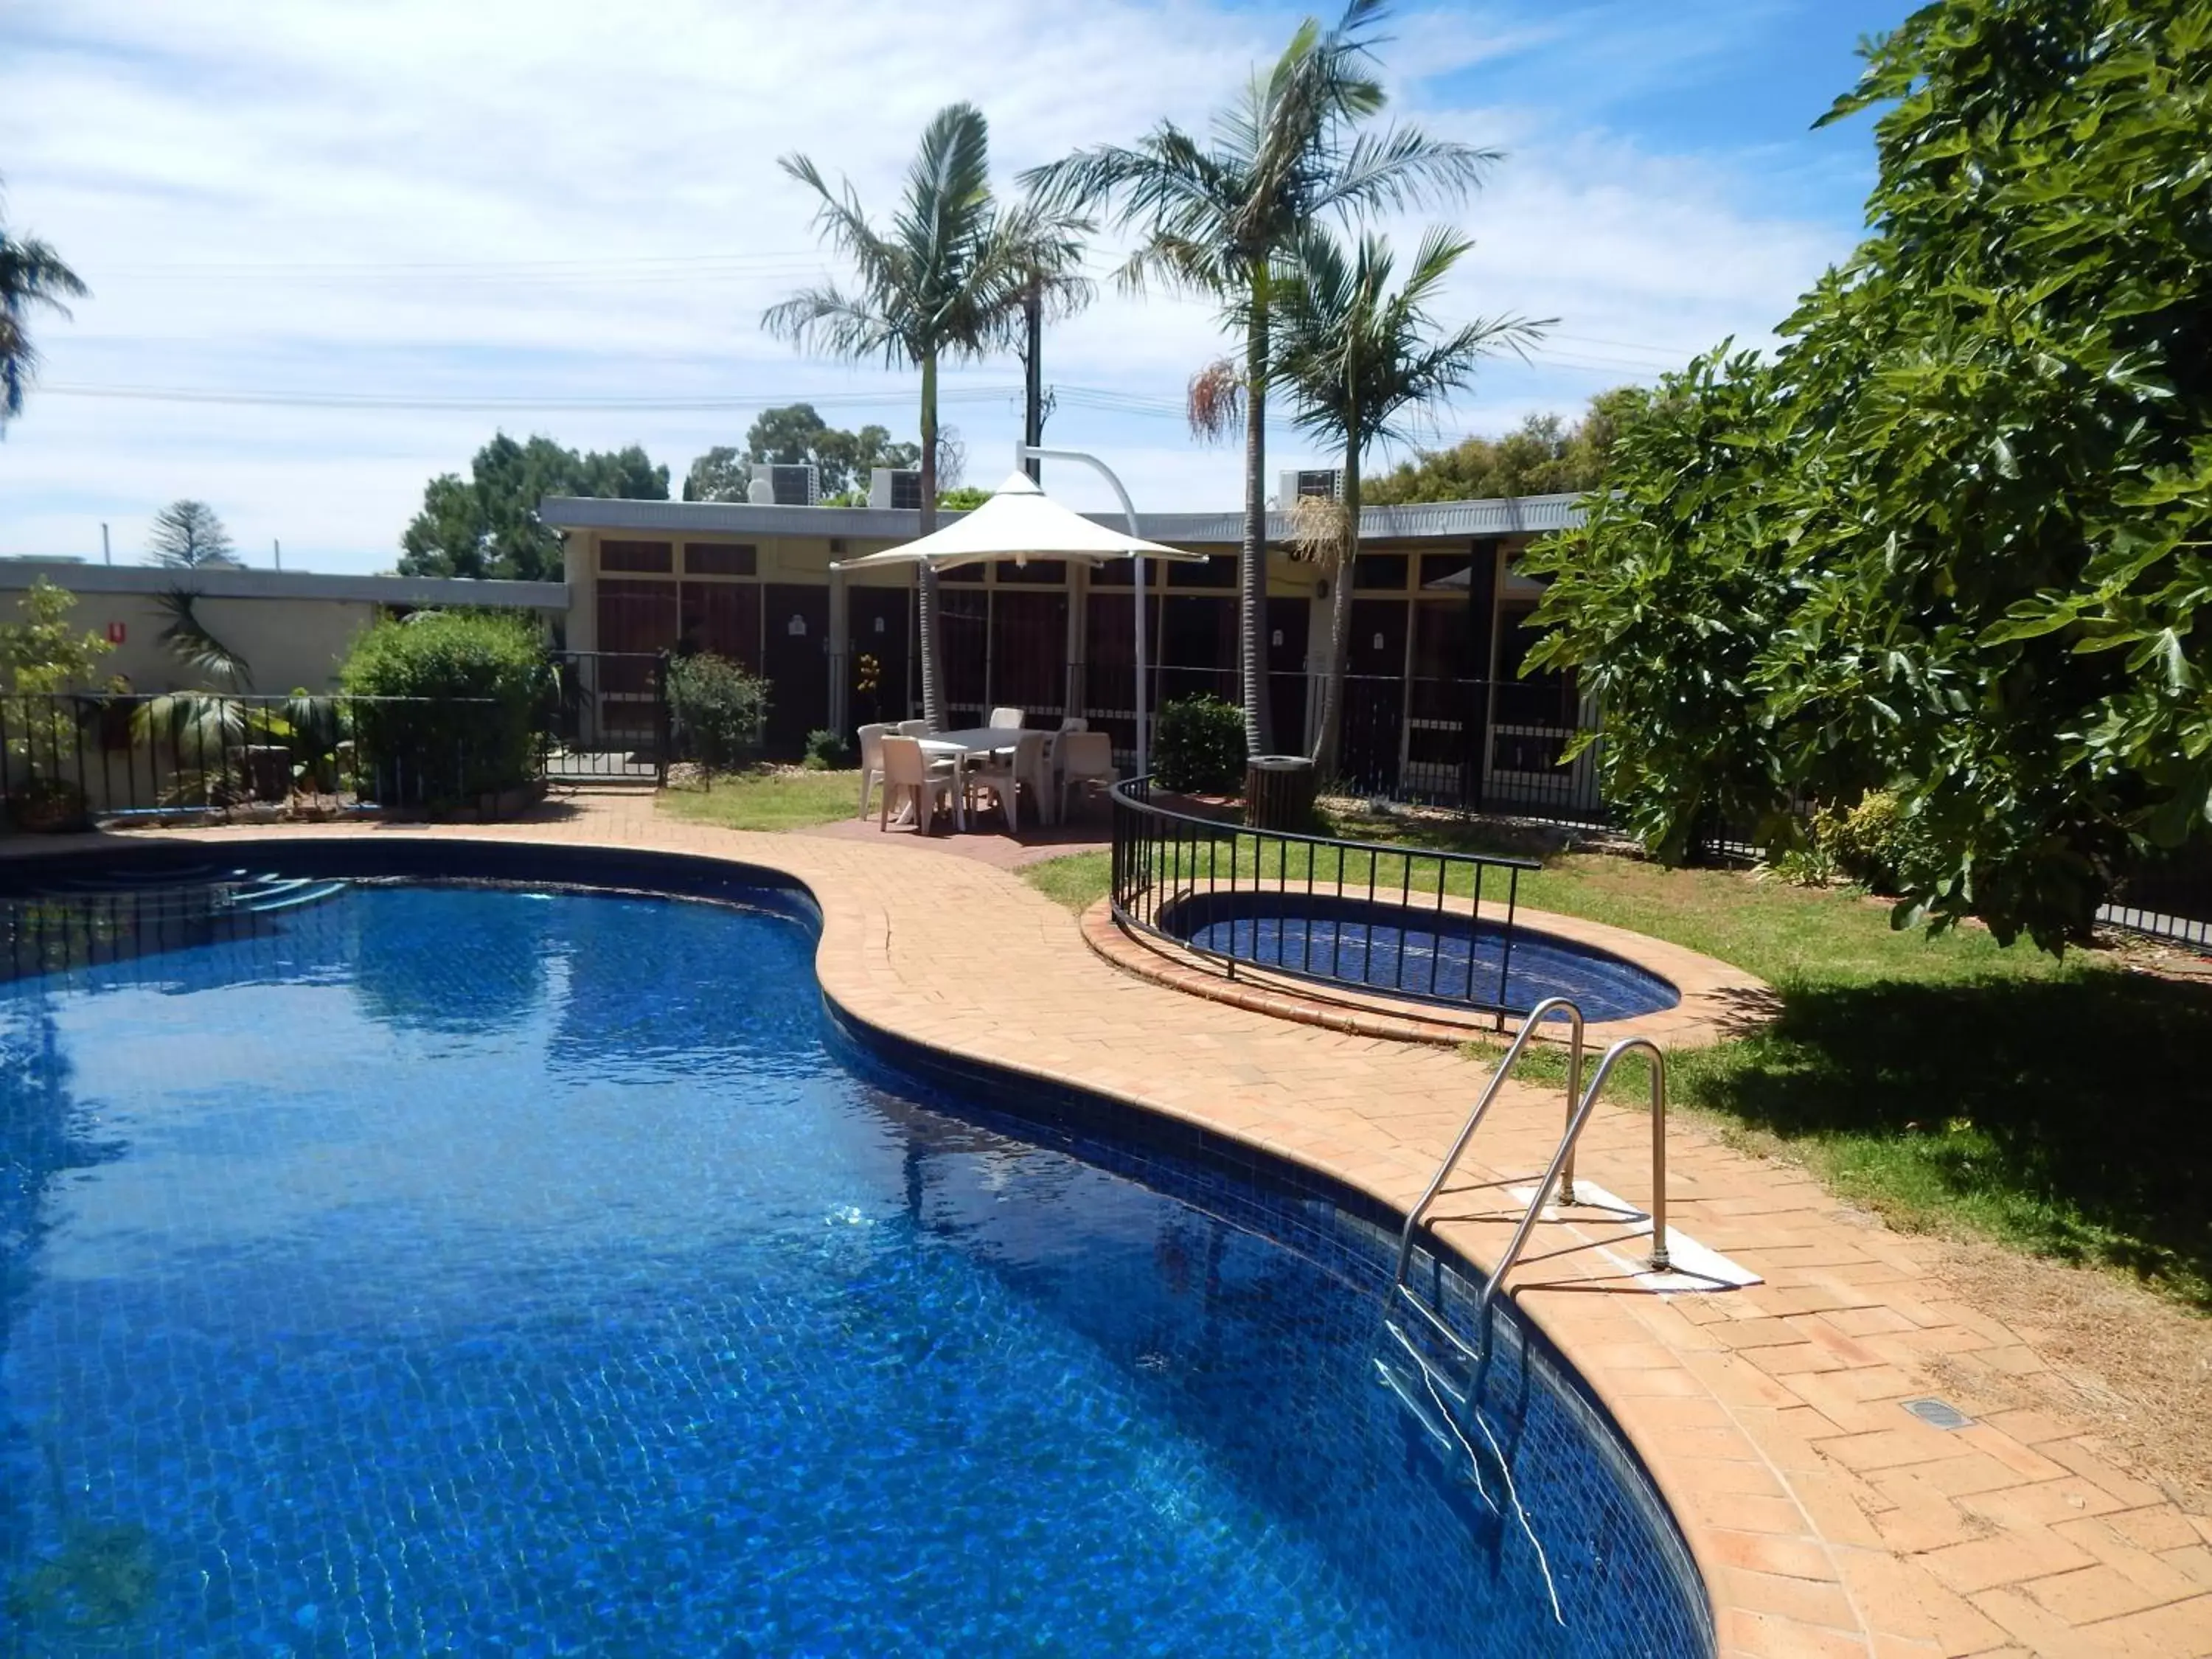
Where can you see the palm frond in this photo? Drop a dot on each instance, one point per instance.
(1401, 167)
(1320, 532)
(192, 642)
(1362, 359)
(1216, 401)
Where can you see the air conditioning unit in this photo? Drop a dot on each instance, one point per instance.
(794, 485)
(1327, 482)
(894, 486)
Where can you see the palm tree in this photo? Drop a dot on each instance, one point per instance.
(1359, 358)
(1216, 218)
(947, 278)
(31, 274)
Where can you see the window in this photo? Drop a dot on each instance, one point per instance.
(1218, 571)
(711, 559)
(1445, 568)
(651, 558)
(1379, 572)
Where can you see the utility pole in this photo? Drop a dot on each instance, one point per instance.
(105, 555)
(279, 549)
(1033, 377)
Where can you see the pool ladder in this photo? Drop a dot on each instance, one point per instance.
(1581, 1104)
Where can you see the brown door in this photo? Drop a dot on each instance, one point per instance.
(1028, 653)
(1110, 649)
(1197, 647)
(636, 619)
(877, 653)
(963, 635)
(1286, 673)
(797, 664)
(724, 618)
(1374, 695)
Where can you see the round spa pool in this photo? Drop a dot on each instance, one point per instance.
(407, 1269)
(1417, 953)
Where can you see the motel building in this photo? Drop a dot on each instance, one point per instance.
(1435, 706)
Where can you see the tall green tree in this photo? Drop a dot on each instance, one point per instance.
(1543, 456)
(1217, 217)
(1956, 540)
(32, 274)
(187, 534)
(945, 279)
(1357, 358)
(486, 525)
(794, 435)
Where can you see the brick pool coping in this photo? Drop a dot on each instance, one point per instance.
(1823, 1517)
(1718, 999)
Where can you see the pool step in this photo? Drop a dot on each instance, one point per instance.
(197, 890)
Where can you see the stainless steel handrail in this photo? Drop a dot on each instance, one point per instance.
(1661, 1260)
(1529, 1023)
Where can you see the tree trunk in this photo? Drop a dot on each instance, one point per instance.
(932, 692)
(1252, 557)
(1328, 732)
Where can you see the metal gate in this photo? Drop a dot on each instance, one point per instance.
(609, 717)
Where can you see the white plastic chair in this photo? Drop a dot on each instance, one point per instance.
(871, 762)
(914, 728)
(1006, 720)
(908, 772)
(1086, 757)
(1072, 723)
(1003, 776)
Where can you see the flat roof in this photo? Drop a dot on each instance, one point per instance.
(238, 582)
(1424, 521)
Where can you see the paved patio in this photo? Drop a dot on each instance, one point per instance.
(1825, 1518)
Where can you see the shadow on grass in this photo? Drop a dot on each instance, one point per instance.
(2073, 1115)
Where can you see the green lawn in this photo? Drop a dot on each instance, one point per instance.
(1948, 1083)
(767, 800)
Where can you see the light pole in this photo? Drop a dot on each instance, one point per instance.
(1024, 453)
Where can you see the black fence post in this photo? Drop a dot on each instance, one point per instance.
(663, 726)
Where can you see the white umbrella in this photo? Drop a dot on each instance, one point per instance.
(1021, 522)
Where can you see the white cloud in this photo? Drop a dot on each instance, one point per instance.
(565, 202)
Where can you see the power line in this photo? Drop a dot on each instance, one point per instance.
(351, 400)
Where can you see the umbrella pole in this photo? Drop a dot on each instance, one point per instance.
(1025, 452)
(1137, 585)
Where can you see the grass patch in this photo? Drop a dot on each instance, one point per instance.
(1949, 1084)
(787, 799)
(1079, 881)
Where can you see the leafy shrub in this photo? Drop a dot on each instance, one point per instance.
(1198, 747)
(826, 751)
(479, 682)
(717, 712)
(40, 657)
(1872, 843)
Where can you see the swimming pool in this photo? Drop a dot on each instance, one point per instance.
(1414, 952)
(418, 1268)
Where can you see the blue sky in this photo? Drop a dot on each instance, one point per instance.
(379, 233)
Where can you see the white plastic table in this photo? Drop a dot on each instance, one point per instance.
(965, 747)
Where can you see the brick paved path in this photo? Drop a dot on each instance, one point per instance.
(1825, 1518)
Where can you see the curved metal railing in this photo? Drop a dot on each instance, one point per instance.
(1361, 915)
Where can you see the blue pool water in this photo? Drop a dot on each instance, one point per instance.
(466, 1270)
(1417, 954)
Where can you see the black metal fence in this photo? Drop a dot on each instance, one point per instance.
(607, 717)
(1467, 746)
(74, 758)
(1407, 921)
(2169, 898)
